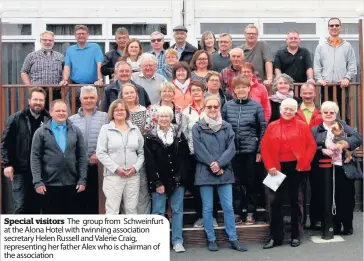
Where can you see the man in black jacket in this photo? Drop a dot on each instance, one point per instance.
(59, 163)
(15, 151)
(185, 50)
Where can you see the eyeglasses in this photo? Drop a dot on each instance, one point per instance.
(213, 80)
(156, 40)
(209, 107)
(119, 110)
(202, 59)
(329, 112)
(251, 34)
(196, 90)
(246, 72)
(334, 25)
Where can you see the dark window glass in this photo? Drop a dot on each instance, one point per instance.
(230, 28)
(283, 28)
(17, 29)
(141, 29)
(69, 29)
(62, 46)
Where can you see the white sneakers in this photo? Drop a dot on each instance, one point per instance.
(178, 248)
(199, 223)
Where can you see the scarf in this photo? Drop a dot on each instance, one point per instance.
(214, 125)
(168, 71)
(279, 97)
(166, 137)
(182, 86)
(134, 65)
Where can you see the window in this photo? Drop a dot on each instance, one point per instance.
(62, 46)
(141, 29)
(350, 28)
(230, 28)
(283, 28)
(17, 29)
(69, 29)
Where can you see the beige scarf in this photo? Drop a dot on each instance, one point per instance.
(214, 125)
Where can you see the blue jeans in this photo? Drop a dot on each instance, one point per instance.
(176, 201)
(26, 199)
(226, 198)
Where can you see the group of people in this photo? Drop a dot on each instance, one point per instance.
(165, 128)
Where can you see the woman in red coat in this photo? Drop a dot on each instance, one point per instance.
(289, 147)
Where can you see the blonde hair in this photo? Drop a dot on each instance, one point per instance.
(114, 104)
(171, 52)
(165, 110)
(167, 85)
(213, 98)
(329, 105)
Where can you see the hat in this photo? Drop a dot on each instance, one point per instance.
(180, 28)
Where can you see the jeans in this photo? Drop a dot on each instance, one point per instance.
(26, 199)
(176, 201)
(226, 199)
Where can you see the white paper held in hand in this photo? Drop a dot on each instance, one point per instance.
(273, 182)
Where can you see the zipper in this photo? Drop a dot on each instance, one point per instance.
(238, 129)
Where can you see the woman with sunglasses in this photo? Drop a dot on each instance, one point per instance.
(214, 147)
(345, 172)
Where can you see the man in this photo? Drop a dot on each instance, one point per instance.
(15, 151)
(221, 58)
(89, 120)
(259, 54)
(148, 78)
(157, 41)
(230, 72)
(334, 61)
(83, 63)
(111, 57)
(123, 72)
(312, 116)
(58, 163)
(294, 60)
(44, 66)
(185, 50)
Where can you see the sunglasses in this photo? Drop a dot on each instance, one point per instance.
(334, 25)
(209, 107)
(329, 112)
(156, 40)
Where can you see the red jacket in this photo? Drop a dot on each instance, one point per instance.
(301, 140)
(259, 93)
(316, 117)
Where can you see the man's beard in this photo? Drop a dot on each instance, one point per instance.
(36, 111)
(45, 49)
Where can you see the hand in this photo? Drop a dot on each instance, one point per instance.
(160, 189)
(327, 152)
(99, 82)
(41, 190)
(93, 159)
(311, 81)
(258, 158)
(80, 188)
(63, 83)
(338, 148)
(221, 172)
(273, 172)
(344, 82)
(267, 82)
(214, 167)
(322, 82)
(121, 172)
(130, 172)
(9, 173)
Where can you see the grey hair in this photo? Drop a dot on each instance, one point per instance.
(165, 110)
(118, 64)
(148, 57)
(329, 105)
(156, 33)
(167, 85)
(46, 32)
(289, 102)
(213, 98)
(237, 49)
(88, 88)
(252, 26)
(285, 77)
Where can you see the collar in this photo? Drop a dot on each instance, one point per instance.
(304, 107)
(86, 46)
(80, 111)
(298, 50)
(45, 53)
(183, 47)
(55, 124)
(234, 70)
(335, 42)
(228, 55)
(327, 128)
(199, 111)
(240, 101)
(161, 53)
(141, 75)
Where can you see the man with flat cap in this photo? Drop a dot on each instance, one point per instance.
(185, 50)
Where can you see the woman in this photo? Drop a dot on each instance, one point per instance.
(287, 146)
(171, 60)
(213, 81)
(132, 54)
(166, 158)
(120, 150)
(208, 42)
(167, 93)
(200, 65)
(247, 119)
(258, 92)
(214, 147)
(345, 173)
(138, 115)
(193, 114)
(282, 89)
(181, 79)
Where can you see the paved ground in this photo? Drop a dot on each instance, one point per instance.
(349, 250)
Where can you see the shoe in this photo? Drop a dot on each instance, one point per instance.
(237, 246)
(215, 223)
(315, 225)
(178, 248)
(238, 220)
(348, 232)
(198, 223)
(249, 220)
(212, 246)
(295, 242)
(272, 243)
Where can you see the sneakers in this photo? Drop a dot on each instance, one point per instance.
(178, 248)
(249, 220)
(198, 223)
(212, 246)
(215, 223)
(238, 220)
(238, 246)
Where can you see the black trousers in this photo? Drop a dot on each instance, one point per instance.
(26, 199)
(91, 195)
(316, 200)
(244, 189)
(345, 200)
(293, 183)
(62, 200)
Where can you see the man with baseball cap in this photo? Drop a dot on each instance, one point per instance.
(185, 50)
